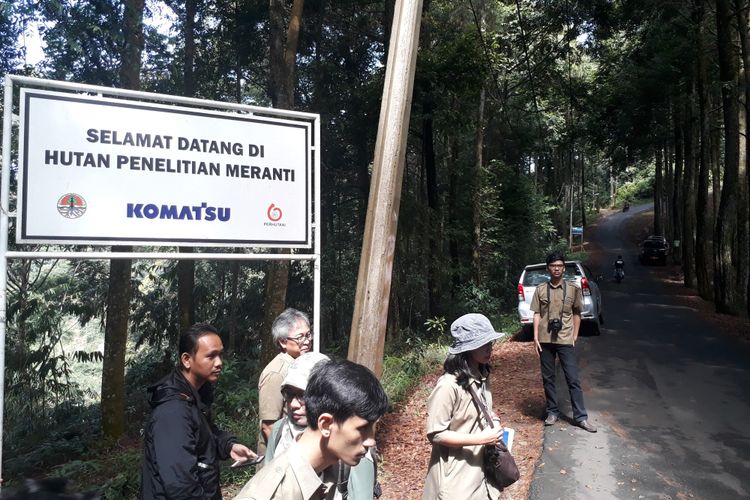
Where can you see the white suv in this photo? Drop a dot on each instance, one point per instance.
(575, 272)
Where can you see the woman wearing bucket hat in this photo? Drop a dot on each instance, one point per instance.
(454, 426)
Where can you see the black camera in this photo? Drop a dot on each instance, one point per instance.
(554, 326)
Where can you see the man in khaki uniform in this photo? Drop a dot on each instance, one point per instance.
(557, 320)
(291, 332)
(290, 477)
(343, 402)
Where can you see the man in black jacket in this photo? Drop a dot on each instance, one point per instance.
(182, 445)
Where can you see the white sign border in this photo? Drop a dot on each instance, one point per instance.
(262, 115)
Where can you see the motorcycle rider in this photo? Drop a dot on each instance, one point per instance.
(619, 267)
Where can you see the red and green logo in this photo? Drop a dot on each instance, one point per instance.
(71, 206)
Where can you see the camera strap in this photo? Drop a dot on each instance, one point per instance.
(562, 307)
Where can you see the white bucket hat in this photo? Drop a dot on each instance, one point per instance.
(299, 370)
(470, 332)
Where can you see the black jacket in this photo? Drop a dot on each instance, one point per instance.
(182, 446)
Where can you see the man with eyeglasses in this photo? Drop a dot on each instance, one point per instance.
(557, 320)
(291, 332)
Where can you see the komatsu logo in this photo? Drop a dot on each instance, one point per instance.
(185, 212)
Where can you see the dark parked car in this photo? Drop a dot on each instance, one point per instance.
(654, 249)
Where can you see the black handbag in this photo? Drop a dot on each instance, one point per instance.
(500, 468)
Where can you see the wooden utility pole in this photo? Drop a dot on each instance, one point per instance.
(367, 338)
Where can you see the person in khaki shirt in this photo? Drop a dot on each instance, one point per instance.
(343, 402)
(557, 320)
(291, 332)
(455, 427)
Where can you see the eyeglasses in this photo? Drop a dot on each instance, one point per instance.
(302, 338)
(290, 395)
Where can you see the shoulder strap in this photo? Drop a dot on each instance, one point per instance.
(277, 438)
(342, 479)
(482, 407)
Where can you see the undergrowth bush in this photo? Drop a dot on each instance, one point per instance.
(406, 362)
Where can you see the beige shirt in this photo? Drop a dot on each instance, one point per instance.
(288, 477)
(270, 400)
(456, 473)
(550, 309)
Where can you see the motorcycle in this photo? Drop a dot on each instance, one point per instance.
(619, 274)
(626, 207)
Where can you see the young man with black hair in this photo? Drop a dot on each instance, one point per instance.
(182, 446)
(557, 320)
(343, 402)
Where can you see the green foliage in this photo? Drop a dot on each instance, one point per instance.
(436, 326)
(640, 184)
(124, 484)
(476, 298)
(403, 368)
(519, 231)
(236, 398)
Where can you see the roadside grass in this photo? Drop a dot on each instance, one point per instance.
(405, 366)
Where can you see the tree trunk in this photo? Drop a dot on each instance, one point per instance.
(582, 192)
(186, 268)
(189, 71)
(679, 156)
(727, 225)
(658, 187)
(434, 228)
(688, 190)
(185, 287)
(282, 60)
(668, 181)
(452, 142)
(119, 288)
(283, 53)
(743, 233)
(704, 222)
(716, 138)
(234, 269)
(130, 70)
(115, 343)
(476, 191)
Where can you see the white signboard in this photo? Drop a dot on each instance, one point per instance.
(109, 171)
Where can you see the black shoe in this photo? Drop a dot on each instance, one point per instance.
(551, 419)
(583, 424)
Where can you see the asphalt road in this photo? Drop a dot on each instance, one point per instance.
(669, 393)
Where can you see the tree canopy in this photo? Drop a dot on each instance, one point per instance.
(527, 117)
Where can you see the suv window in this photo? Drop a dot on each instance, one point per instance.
(653, 244)
(538, 275)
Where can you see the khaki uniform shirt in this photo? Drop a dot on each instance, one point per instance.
(270, 400)
(456, 473)
(550, 308)
(288, 477)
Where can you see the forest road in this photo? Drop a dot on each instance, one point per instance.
(668, 391)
